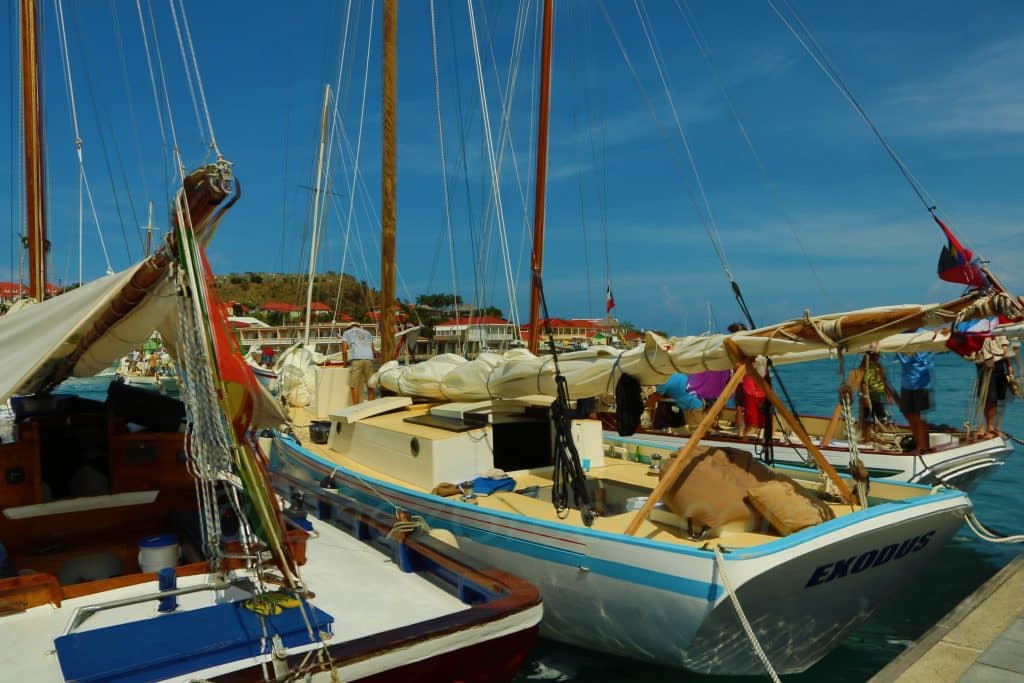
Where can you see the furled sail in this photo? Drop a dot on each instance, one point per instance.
(596, 370)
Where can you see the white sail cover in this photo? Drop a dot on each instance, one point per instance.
(38, 338)
(596, 370)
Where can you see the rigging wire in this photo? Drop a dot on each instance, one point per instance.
(495, 185)
(470, 222)
(580, 84)
(289, 65)
(504, 136)
(599, 166)
(372, 217)
(98, 106)
(14, 98)
(179, 163)
(505, 100)
(188, 73)
(661, 130)
(156, 96)
(652, 43)
(199, 77)
(444, 163)
(359, 146)
(705, 52)
(817, 53)
(83, 181)
(131, 105)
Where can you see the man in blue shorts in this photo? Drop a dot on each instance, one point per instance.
(915, 395)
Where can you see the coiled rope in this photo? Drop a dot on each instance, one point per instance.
(747, 628)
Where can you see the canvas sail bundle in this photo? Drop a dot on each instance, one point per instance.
(596, 370)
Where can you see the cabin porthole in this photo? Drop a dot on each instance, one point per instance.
(414, 446)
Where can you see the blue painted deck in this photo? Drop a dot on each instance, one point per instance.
(178, 643)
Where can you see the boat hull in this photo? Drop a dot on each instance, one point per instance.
(666, 603)
(962, 466)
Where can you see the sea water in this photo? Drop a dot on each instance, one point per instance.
(964, 564)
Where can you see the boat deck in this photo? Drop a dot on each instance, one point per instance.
(629, 473)
(386, 598)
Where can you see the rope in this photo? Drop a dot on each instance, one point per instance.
(986, 534)
(751, 636)
(856, 465)
(401, 527)
(567, 471)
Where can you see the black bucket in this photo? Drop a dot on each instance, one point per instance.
(319, 430)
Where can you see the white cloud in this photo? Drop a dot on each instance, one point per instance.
(977, 96)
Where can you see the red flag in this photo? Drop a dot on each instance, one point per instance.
(956, 262)
(609, 300)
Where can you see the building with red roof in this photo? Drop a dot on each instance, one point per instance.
(473, 334)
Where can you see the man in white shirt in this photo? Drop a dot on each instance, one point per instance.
(357, 354)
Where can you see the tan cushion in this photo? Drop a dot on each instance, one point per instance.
(786, 506)
(711, 490)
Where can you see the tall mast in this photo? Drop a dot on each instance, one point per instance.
(35, 197)
(314, 240)
(389, 80)
(537, 261)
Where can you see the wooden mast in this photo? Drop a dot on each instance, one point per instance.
(389, 81)
(35, 192)
(537, 260)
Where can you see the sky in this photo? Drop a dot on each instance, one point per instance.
(816, 217)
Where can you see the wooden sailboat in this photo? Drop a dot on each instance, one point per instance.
(138, 546)
(641, 557)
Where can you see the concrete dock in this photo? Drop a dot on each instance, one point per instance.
(980, 641)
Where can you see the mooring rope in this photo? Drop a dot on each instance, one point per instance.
(986, 534)
(747, 628)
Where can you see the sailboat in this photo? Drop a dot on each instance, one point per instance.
(680, 557)
(956, 457)
(140, 538)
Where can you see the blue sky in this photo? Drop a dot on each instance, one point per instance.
(942, 80)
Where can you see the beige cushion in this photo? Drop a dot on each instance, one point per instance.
(786, 506)
(711, 490)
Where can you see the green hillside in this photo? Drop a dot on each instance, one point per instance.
(252, 290)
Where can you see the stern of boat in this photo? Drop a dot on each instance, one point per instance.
(829, 581)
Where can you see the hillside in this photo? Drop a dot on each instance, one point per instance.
(254, 289)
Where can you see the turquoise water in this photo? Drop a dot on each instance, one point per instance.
(963, 565)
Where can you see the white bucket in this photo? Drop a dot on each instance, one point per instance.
(158, 552)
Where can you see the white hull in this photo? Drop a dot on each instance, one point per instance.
(665, 602)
